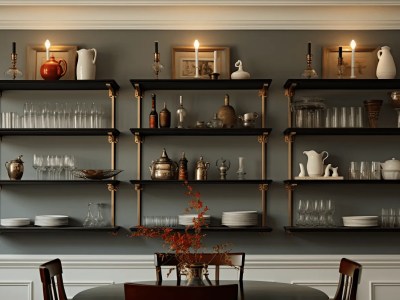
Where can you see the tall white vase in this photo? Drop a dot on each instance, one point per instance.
(86, 66)
(386, 68)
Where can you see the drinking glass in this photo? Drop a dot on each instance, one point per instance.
(38, 166)
(308, 213)
(364, 170)
(385, 217)
(359, 117)
(375, 170)
(322, 209)
(354, 170)
(77, 116)
(301, 209)
(392, 217)
(352, 116)
(335, 117)
(69, 166)
(330, 210)
(99, 219)
(343, 117)
(89, 220)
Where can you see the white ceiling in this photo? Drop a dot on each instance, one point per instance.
(201, 14)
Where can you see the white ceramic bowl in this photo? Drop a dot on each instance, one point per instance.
(391, 174)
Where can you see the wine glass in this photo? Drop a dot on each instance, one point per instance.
(330, 210)
(38, 165)
(99, 220)
(89, 220)
(301, 209)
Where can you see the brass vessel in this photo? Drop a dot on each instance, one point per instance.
(15, 168)
(163, 168)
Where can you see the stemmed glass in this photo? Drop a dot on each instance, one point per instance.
(330, 210)
(69, 166)
(301, 209)
(99, 220)
(322, 210)
(38, 166)
(89, 220)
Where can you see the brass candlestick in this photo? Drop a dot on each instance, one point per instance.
(157, 66)
(13, 71)
(340, 68)
(309, 72)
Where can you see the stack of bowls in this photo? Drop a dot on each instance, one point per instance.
(391, 169)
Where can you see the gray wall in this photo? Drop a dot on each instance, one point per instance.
(124, 55)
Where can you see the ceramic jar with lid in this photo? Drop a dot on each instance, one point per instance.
(163, 168)
(309, 112)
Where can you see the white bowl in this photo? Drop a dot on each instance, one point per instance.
(391, 174)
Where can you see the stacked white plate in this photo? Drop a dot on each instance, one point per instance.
(188, 219)
(239, 218)
(51, 220)
(15, 222)
(360, 221)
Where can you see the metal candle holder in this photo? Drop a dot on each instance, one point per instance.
(309, 72)
(340, 68)
(13, 71)
(157, 66)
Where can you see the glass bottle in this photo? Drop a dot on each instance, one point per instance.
(181, 114)
(153, 117)
(182, 169)
(89, 220)
(165, 117)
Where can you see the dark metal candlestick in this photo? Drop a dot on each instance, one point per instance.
(340, 67)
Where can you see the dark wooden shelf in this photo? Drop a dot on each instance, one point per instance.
(59, 132)
(223, 229)
(201, 132)
(342, 84)
(56, 182)
(341, 229)
(26, 229)
(342, 131)
(247, 181)
(334, 182)
(202, 84)
(101, 84)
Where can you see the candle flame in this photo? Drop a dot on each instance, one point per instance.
(196, 44)
(47, 44)
(353, 44)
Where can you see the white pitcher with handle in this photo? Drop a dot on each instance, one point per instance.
(386, 68)
(86, 66)
(315, 162)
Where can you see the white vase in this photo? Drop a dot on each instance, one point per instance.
(386, 68)
(86, 66)
(240, 74)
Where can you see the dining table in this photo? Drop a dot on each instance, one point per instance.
(248, 290)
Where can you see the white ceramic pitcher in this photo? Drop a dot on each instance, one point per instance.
(86, 67)
(386, 68)
(315, 162)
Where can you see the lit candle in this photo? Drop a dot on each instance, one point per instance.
(196, 56)
(215, 62)
(14, 48)
(353, 47)
(47, 45)
(156, 46)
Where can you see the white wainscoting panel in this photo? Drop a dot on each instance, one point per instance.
(19, 274)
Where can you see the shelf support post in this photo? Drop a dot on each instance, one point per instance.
(113, 95)
(263, 188)
(112, 188)
(290, 188)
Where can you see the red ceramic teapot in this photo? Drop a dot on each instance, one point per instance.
(53, 69)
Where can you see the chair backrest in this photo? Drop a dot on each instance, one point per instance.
(52, 281)
(350, 274)
(135, 291)
(210, 259)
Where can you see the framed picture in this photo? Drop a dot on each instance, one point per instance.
(183, 62)
(36, 56)
(365, 62)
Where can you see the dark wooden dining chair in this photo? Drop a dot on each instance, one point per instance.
(52, 280)
(134, 291)
(350, 274)
(210, 259)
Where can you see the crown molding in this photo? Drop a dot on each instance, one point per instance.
(200, 15)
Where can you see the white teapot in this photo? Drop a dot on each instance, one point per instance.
(391, 165)
(86, 66)
(315, 162)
